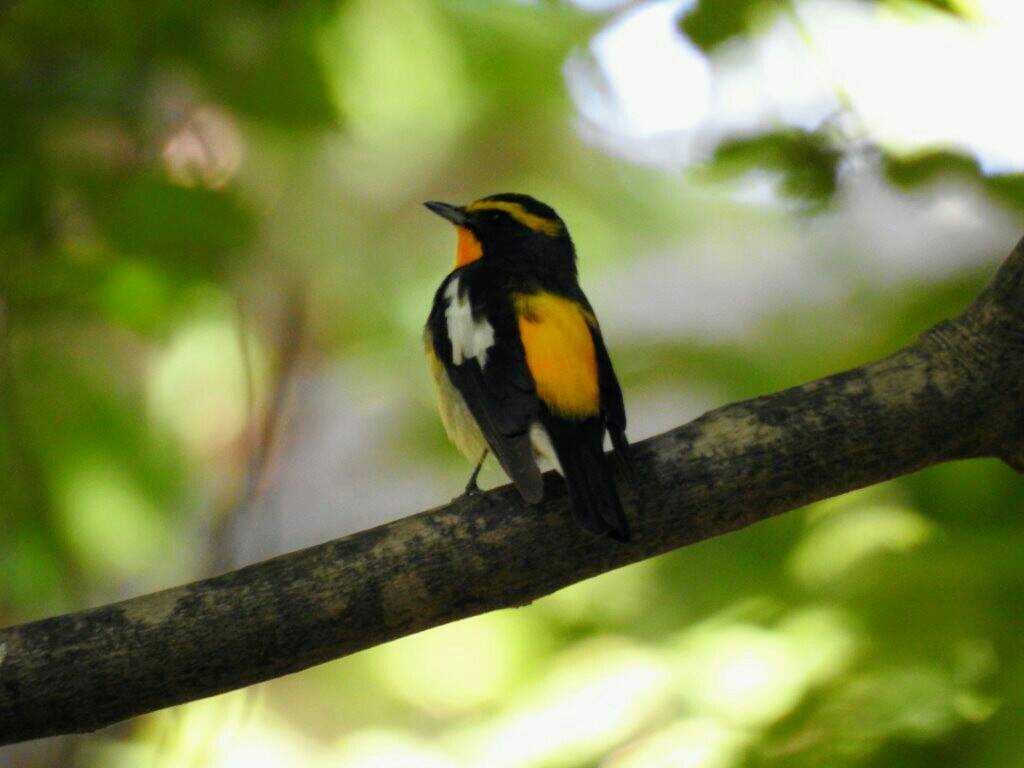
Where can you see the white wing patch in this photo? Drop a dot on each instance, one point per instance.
(470, 338)
(541, 442)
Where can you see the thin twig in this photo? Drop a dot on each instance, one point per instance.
(288, 349)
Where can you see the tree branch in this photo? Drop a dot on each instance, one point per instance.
(957, 392)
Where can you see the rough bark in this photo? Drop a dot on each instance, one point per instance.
(956, 393)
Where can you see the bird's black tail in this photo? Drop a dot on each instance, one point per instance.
(593, 496)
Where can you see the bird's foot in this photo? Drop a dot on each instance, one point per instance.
(470, 494)
(472, 489)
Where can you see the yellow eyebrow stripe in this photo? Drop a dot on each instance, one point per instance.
(537, 223)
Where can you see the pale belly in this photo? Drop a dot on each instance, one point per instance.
(458, 422)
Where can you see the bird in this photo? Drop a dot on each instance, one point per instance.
(519, 365)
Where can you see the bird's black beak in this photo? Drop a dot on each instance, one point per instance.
(455, 214)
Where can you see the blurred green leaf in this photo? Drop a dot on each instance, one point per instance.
(878, 629)
(191, 231)
(266, 66)
(805, 162)
(910, 171)
(712, 22)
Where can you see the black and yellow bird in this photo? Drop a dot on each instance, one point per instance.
(518, 360)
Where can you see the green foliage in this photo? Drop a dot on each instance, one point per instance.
(908, 172)
(712, 22)
(95, 240)
(185, 231)
(805, 162)
(173, 174)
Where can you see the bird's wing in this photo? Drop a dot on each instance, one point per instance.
(497, 388)
(570, 367)
(613, 410)
(612, 407)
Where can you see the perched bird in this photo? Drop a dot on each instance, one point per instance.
(518, 361)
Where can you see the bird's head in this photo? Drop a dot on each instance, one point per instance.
(510, 227)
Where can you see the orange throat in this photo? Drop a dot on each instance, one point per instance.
(469, 248)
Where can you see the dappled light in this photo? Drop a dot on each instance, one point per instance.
(214, 273)
(198, 387)
(694, 742)
(593, 697)
(800, 69)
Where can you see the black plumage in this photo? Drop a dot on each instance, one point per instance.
(518, 247)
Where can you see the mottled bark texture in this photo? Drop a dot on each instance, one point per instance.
(956, 393)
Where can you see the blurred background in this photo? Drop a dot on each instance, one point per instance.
(214, 270)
